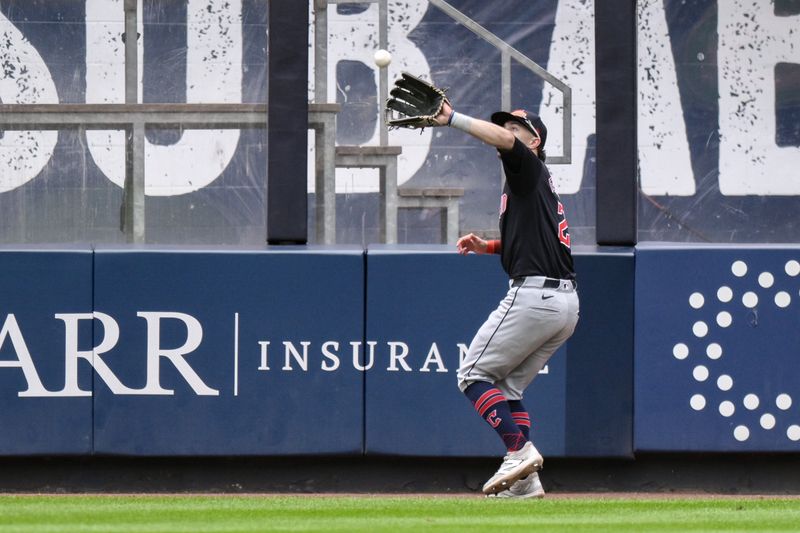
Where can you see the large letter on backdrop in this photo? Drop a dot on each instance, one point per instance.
(664, 162)
(354, 37)
(24, 79)
(752, 40)
(213, 75)
(572, 61)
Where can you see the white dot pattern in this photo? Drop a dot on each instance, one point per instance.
(783, 401)
(767, 421)
(714, 351)
(750, 299)
(700, 329)
(700, 373)
(727, 408)
(783, 297)
(724, 319)
(739, 268)
(724, 294)
(698, 402)
(680, 351)
(696, 300)
(751, 401)
(725, 382)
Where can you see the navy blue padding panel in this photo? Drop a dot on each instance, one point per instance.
(600, 363)
(299, 405)
(433, 300)
(35, 286)
(717, 365)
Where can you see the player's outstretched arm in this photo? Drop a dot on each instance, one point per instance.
(483, 130)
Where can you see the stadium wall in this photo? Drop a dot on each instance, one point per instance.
(335, 351)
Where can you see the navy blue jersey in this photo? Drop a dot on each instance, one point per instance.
(533, 226)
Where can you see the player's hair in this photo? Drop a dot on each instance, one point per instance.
(541, 154)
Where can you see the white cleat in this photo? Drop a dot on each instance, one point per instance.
(516, 465)
(525, 488)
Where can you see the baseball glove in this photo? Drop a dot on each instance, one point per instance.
(417, 101)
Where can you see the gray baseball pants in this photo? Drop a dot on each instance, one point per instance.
(518, 338)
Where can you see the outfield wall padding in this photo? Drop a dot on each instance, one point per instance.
(599, 408)
(294, 351)
(45, 321)
(225, 397)
(337, 351)
(717, 348)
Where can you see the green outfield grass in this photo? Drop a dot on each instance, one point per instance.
(112, 514)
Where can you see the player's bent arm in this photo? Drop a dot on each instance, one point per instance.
(473, 243)
(484, 131)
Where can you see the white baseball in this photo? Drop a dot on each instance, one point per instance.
(382, 58)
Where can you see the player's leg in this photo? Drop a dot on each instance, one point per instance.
(491, 355)
(504, 341)
(492, 406)
(522, 458)
(513, 331)
(521, 417)
(518, 379)
(513, 385)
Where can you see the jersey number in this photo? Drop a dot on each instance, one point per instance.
(563, 227)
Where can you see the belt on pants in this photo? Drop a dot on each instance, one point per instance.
(545, 283)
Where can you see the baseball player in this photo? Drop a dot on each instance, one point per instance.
(540, 310)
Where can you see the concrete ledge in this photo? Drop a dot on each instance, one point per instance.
(369, 150)
(446, 198)
(430, 192)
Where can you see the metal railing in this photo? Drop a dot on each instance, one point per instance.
(132, 118)
(508, 53)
